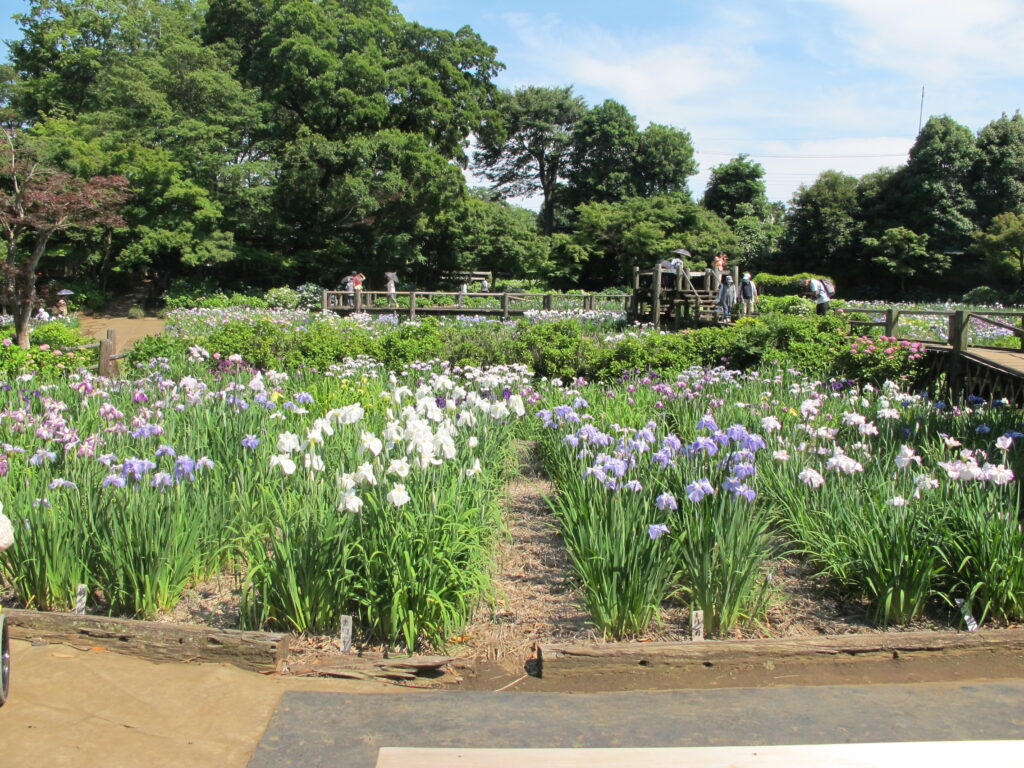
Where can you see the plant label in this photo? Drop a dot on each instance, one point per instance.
(696, 625)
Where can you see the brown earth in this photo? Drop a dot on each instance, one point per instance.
(128, 330)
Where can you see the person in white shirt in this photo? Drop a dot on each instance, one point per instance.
(747, 295)
(816, 289)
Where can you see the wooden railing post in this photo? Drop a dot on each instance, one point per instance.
(892, 316)
(959, 322)
(106, 352)
(547, 302)
(504, 306)
(412, 305)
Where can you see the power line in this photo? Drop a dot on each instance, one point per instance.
(800, 157)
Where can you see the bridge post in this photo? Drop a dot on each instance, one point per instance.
(959, 322)
(892, 317)
(412, 305)
(547, 302)
(656, 297)
(504, 306)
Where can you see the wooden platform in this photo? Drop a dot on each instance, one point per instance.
(928, 754)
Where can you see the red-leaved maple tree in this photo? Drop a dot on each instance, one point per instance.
(37, 200)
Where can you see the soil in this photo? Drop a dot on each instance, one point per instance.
(128, 330)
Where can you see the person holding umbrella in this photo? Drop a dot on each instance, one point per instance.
(61, 307)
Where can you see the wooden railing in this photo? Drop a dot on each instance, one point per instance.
(957, 324)
(107, 361)
(505, 305)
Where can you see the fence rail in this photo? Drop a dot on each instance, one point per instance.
(505, 305)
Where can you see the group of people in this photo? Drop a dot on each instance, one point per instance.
(743, 296)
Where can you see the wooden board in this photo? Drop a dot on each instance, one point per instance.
(557, 659)
(928, 754)
(157, 641)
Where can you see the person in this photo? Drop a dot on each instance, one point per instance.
(484, 285)
(816, 290)
(747, 295)
(718, 268)
(726, 298)
(61, 307)
(348, 285)
(392, 277)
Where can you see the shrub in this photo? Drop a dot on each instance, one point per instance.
(285, 298)
(983, 294)
(880, 358)
(558, 349)
(410, 342)
(59, 334)
(136, 312)
(311, 297)
(786, 305)
(782, 285)
(173, 348)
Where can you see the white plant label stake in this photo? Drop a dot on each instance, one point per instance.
(80, 599)
(972, 624)
(696, 625)
(346, 634)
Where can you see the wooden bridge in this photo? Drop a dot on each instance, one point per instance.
(964, 366)
(667, 297)
(414, 304)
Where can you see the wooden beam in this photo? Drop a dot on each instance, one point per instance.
(918, 754)
(558, 660)
(156, 641)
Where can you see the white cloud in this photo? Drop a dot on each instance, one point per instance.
(935, 39)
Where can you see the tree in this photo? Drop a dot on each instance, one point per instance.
(663, 161)
(604, 147)
(1003, 243)
(499, 237)
(733, 183)
(931, 190)
(822, 229)
(36, 201)
(905, 254)
(524, 147)
(997, 177)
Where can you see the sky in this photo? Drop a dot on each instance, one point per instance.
(801, 86)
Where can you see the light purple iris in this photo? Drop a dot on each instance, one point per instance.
(137, 467)
(303, 397)
(162, 480)
(60, 482)
(184, 467)
(204, 462)
(657, 530)
(250, 442)
(116, 480)
(42, 456)
(634, 486)
(165, 450)
(666, 501)
(698, 490)
(707, 422)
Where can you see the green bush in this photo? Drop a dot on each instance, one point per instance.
(410, 342)
(311, 297)
(782, 285)
(261, 343)
(321, 345)
(59, 334)
(173, 348)
(485, 344)
(786, 305)
(558, 349)
(285, 298)
(983, 294)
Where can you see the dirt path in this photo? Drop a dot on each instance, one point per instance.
(92, 709)
(537, 598)
(128, 330)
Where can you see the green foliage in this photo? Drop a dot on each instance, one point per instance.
(147, 348)
(410, 342)
(997, 177)
(135, 312)
(737, 182)
(983, 295)
(822, 229)
(784, 305)
(285, 298)
(782, 285)
(905, 254)
(877, 359)
(558, 349)
(59, 335)
(1002, 246)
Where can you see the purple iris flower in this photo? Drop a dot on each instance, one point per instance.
(115, 480)
(162, 480)
(579, 402)
(288, 405)
(147, 430)
(705, 444)
(754, 442)
(663, 457)
(657, 530)
(166, 450)
(666, 501)
(672, 443)
(250, 442)
(106, 458)
(698, 490)
(440, 402)
(745, 493)
(731, 484)
(744, 470)
(204, 462)
(138, 396)
(184, 467)
(737, 432)
(41, 456)
(707, 422)
(572, 440)
(137, 467)
(302, 397)
(60, 482)
(634, 486)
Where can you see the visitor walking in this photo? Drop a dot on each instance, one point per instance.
(718, 268)
(485, 287)
(726, 298)
(348, 286)
(392, 278)
(748, 295)
(816, 289)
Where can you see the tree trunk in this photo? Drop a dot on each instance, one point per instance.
(24, 281)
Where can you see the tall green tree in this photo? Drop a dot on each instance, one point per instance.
(904, 254)
(1002, 245)
(932, 192)
(523, 147)
(601, 166)
(732, 184)
(663, 162)
(822, 231)
(997, 177)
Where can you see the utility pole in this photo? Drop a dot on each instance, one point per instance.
(920, 114)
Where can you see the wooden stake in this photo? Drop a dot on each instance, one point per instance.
(80, 594)
(696, 625)
(346, 634)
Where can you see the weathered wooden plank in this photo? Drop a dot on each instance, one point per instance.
(557, 659)
(157, 641)
(919, 754)
(403, 668)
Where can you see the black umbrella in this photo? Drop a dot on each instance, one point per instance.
(391, 276)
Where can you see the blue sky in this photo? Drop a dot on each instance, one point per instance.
(800, 85)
